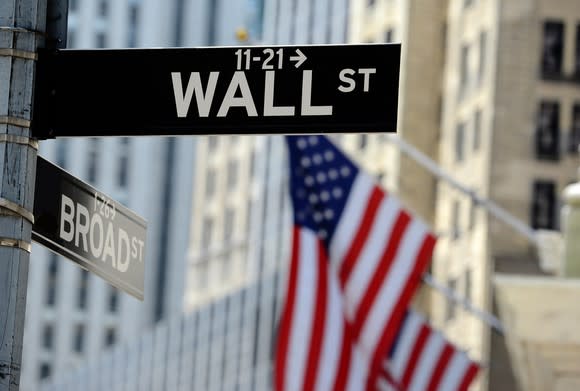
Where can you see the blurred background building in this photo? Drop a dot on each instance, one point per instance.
(489, 89)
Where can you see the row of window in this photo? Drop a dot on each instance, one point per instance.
(462, 142)
(548, 142)
(553, 45)
(543, 211)
(466, 78)
(82, 292)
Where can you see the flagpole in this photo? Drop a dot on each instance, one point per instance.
(496, 210)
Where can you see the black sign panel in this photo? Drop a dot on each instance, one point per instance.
(89, 228)
(231, 90)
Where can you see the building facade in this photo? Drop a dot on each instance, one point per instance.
(72, 315)
(501, 80)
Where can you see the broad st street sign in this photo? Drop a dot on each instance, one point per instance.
(89, 228)
(222, 90)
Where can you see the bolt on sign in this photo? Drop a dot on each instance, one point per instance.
(89, 228)
(223, 90)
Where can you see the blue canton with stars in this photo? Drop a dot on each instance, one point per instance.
(321, 177)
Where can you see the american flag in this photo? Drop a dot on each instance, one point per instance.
(357, 258)
(422, 359)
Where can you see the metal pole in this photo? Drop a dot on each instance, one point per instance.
(22, 25)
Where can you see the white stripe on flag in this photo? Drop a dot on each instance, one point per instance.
(455, 372)
(427, 362)
(357, 374)
(393, 285)
(400, 359)
(333, 333)
(303, 313)
(371, 254)
(351, 217)
(384, 385)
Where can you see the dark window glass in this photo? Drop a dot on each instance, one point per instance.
(48, 336)
(206, 235)
(389, 35)
(110, 336)
(52, 280)
(450, 304)
(123, 174)
(553, 49)
(79, 338)
(460, 142)
(232, 174)
(455, 220)
(103, 8)
(83, 290)
(45, 370)
(212, 142)
(72, 5)
(464, 69)
(472, 214)
(548, 131)
(575, 130)
(544, 205)
(477, 130)
(577, 60)
(93, 159)
(210, 182)
(133, 20)
(71, 39)
(482, 55)
(363, 141)
(101, 40)
(468, 284)
(113, 300)
(229, 224)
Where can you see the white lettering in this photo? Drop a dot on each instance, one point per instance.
(109, 250)
(204, 100)
(367, 75)
(67, 210)
(345, 79)
(230, 100)
(269, 109)
(97, 222)
(82, 226)
(123, 265)
(306, 107)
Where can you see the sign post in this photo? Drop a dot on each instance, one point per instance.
(231, 90)
(86, 226)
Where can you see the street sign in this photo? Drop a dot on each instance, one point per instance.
(223, 90)
(89, 228)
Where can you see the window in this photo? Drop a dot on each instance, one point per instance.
(103, 8)
(574, 143)
(232, 174)
(577, 61)
(553, 49)
(460, 142)
(133, 20)
(450, 304)
(52, 280)
(464, 71)
(210, 182)
(482, 57)
(48, 336)
(110, 336)
(79, 338)
(83, 290)
(472, 214)
(206, 234)
(477, 130)
(467, 293)
(389, 35)
(61, 152)
(113, 302)
(455, 210)
(548, 131)
(101, 40)
(123, 169)
(44, 370)
(229, 224)
(544, 205)
(71, 39)
(72, 5)
(212, 142)
(93, 159)
(363, 140)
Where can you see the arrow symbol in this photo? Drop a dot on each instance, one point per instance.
(300, 58)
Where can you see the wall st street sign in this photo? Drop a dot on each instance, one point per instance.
(223, 90)
(89, 228)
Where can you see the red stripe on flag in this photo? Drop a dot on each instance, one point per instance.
(363, 230)
(287, 315)
(414, 357)
(469, 376)
(345, 359)
(380, 273)
(440, 368)
(317, 334)
(392, 326)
